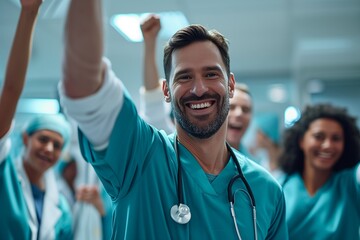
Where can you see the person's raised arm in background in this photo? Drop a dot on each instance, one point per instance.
(152, 104)
(150, 28)
(17, 63)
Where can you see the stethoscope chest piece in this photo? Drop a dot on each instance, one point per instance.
(180, 213)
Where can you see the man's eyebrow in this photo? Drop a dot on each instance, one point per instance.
(211, 68)
(207, 68)
(183, 71)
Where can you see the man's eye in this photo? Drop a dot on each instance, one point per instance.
(211, 75)
(185, 77)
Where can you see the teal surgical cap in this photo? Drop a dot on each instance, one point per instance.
(56, 123)
(268, 123)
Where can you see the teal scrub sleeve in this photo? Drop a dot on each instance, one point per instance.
(131, 142)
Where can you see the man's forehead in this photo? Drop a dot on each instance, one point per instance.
(197, 57)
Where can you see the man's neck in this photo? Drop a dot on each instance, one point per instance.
(211, 153)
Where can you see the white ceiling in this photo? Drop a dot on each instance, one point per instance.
(295, 40)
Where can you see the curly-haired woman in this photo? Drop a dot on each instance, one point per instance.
(322, 185)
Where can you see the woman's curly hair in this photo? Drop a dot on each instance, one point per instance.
(292, 158)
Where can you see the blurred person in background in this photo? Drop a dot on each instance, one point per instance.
(267, 149)
(32, 207)
(240, 115)
(91, 206)
(322, 183)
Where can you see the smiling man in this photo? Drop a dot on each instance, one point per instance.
(167, 186)
(155, 112)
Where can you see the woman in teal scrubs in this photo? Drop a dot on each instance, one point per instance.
(322, 187)
(28, 194)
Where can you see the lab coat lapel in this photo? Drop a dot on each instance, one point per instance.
(51, 210)
(26, 188)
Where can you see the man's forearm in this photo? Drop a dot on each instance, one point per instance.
(83, 68)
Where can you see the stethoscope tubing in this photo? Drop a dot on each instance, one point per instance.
(179, 175)
(229, 189)
(240, 175)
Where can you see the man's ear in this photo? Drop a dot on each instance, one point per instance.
(231, 85)
(166, 91)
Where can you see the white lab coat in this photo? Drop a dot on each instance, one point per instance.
(87, 219)
(51, 211)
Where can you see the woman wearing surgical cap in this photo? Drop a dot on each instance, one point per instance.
(31, 207)
(44, 139)
(33, 181)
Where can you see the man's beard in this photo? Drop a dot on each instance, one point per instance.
(211, 128)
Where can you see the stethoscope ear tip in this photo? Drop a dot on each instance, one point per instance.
(180, 213)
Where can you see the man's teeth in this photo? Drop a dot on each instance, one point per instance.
(200, 105)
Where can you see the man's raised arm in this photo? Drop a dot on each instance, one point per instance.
(83, 67)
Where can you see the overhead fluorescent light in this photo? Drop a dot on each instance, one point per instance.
(38, 106)
(128, 25)
(291, 115)
(277, 93)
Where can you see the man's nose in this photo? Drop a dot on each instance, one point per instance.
(199, 87)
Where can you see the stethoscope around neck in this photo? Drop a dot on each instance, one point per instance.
(181, 213)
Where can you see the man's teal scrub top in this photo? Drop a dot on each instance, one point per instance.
(332, 213)
(139, 171)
